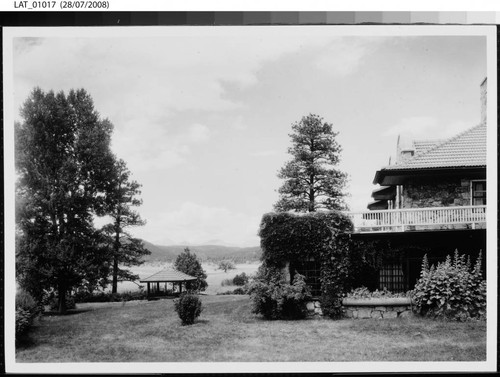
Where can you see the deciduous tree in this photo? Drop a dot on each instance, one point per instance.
(226, 265)
(188, 263)
(312, 180)
(64, 165)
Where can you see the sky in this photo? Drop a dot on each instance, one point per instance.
(202, 115)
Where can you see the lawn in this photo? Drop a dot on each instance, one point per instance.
(150, 331)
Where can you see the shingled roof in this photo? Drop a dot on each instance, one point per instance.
(467, 149)
(168, 275)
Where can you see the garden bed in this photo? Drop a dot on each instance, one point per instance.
(373, 307)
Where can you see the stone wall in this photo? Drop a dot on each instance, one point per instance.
(378, 312)
(428, 193)
(399, 308)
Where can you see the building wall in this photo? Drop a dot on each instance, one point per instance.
(450, 191)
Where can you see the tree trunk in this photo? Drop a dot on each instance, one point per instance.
(114, 288)
(311, 194)
(116, 247)
(61, 292)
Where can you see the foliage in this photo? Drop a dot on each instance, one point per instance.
(226, 265)
(324, 236)
(452, 289)
(188, 307)
(188, 263)
(85, 296)
(312, 181)
(63, 162)
(27, 309)
(274, 298)
(226, 282)
(237, 291)
(126, 250)
(51, 299)
(363, 292)
(240, 279)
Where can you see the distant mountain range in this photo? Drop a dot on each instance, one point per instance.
(203, 252)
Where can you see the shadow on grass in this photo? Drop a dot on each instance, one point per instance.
(69, 312)
(25, 341)
(202, 321)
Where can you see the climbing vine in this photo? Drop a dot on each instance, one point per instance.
(324, 236)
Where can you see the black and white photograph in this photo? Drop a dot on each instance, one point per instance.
(286, 198)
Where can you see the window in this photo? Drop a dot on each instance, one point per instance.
(311, 269)
(478, 196)
(391, 277)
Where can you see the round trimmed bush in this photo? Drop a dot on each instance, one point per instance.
(188, 307)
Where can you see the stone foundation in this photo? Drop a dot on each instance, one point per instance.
(369, 308)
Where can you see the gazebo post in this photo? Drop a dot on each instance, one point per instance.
(148, 289)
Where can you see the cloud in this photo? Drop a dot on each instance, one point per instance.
(160, 146)
(199, 133)
(426, 127)
(264, 153)
(415, 126)
(192, 223)
(343, 56)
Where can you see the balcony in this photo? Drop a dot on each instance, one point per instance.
(415, 219)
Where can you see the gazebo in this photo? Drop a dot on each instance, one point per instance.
(166, 276)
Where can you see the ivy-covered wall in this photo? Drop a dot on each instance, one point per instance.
(324, 236)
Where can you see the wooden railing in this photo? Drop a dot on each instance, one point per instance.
(401, 220)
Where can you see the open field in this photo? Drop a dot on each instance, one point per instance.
(214, 276)
(150, 331)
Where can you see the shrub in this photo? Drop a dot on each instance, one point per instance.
(240, 279)
(53, 303)
(237, 291)
(51, 299)
(363, 292)
(451, 290)
(85, 296)
(27, 309)
(226, 282)
(275, 298)
(188, 307)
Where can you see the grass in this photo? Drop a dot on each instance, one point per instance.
(143, 331)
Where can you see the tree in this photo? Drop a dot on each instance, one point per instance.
(312, 181)
(226, 265)
(64, 164)
(126, 250)
(188, 263)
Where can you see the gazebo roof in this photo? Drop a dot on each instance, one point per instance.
(168, 275)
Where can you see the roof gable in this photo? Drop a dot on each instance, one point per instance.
(168, 275)
(467, 149)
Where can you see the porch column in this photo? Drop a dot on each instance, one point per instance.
(148, 289)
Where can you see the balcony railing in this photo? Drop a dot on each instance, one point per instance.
(435, 218)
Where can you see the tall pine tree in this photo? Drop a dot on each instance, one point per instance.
(126, 250)
(311, 179)
(64, 164)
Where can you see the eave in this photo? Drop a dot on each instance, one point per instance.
(389, 177)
